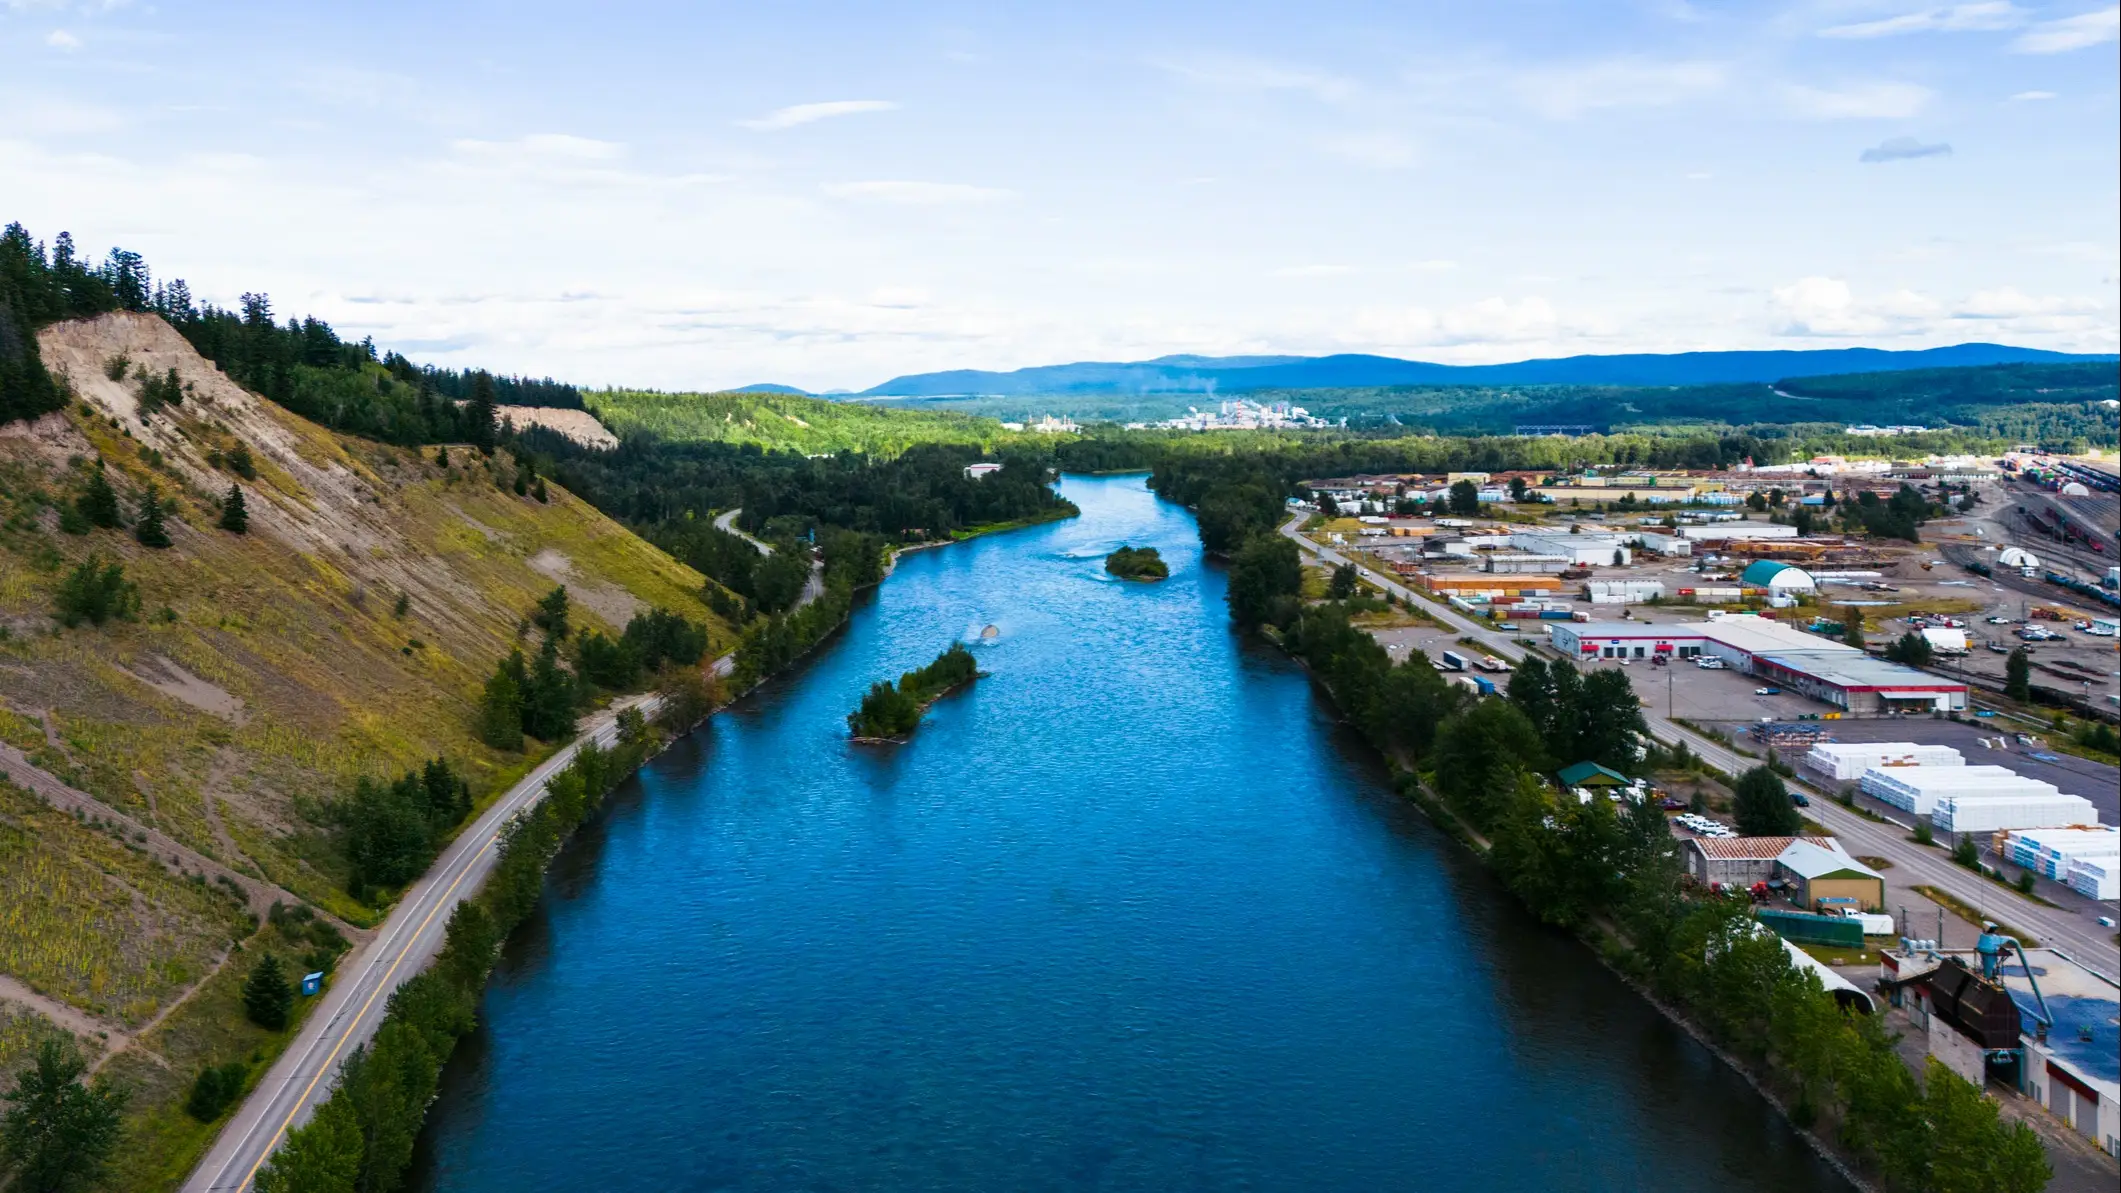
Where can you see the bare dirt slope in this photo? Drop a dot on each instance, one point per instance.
(195, 749)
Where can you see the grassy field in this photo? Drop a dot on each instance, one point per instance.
(784, 422)
(349, 633)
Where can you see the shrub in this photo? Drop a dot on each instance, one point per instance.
(96, 592)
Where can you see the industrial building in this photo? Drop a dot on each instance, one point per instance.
(1727, 531)
(1778, 579)
(1582, 550)
(1825, 670)
(1740, 861)
(2032, 1019)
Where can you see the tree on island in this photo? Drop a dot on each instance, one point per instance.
(890, 712)
(1137, 563)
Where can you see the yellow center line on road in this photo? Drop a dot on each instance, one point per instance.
(274, 1142)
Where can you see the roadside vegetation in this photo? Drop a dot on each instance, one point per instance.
(1607, 871)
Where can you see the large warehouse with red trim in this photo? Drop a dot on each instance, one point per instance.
(1821, 668)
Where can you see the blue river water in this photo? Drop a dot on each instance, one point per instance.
(1133, 913)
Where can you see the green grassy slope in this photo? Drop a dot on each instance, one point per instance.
(264, 674)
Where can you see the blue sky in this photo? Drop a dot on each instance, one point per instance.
(705, 195)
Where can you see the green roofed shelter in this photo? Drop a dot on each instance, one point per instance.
(1777, 577)
(1590, 774)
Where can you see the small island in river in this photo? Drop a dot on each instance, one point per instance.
(891, 712)
(1137, 563)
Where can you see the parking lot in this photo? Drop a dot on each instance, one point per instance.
(1728, 700)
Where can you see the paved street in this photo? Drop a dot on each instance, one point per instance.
(2073, 930)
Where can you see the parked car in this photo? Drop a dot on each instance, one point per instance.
(1767, 691)
(1708, 662)
(1671, 805)
(1800, 799)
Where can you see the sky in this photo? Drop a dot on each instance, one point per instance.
(828, 195)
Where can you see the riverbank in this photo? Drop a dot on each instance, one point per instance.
(995, 956)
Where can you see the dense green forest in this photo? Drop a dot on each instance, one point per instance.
(302, 364)
(667, 491)
(1484, 767)
(2040, 403)
(784, 422)
(890, 712)
(1137, 563)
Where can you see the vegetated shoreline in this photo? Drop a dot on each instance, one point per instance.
(670, 735)
(1059, 514)
(923, 706)
(1410, 785)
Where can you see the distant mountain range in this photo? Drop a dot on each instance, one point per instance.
(1238, 374)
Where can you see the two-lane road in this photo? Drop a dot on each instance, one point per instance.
(2074, 931)
(353, 1007)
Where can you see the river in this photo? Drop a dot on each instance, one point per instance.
(1133, 913)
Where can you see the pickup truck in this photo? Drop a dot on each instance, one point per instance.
(1874, 923)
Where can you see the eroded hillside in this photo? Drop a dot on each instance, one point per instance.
(171, 775)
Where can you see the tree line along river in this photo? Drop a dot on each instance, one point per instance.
(1133, 913)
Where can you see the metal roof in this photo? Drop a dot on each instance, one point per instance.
(1760, 849)
(1817, 861)
(1858, 672)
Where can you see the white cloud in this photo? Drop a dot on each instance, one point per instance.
(2009, 302)
(1868, 101)
(60, 39)
(1620, 83)
(2031, 96)
(1823, 306)
(1488, 321)
(1958, 18)
(1312, 271)
(922, 194)
(789, 117)
(2071, 33)
(1899, 149)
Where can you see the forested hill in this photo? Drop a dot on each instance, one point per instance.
(302, 364)
(775, 421)
(227, 635)
(1231, 375)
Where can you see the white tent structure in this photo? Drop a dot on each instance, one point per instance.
(2018, 557)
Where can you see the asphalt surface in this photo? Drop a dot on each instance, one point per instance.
(355, 1002)
(2073, 930)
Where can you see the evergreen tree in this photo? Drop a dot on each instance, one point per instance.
(149, 530)
(57, 1132)
(548, 696)
(1762, 805)
(1264, 580)
(1852, 627)
(1343, 584)
(268, 999)
(479, 414)
(551, 613)
(501, 711)
(1465, 498)
(2018, 675)
(234, 517)
(98, 501)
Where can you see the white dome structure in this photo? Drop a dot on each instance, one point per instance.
(2018, 557)
(2075, 489)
